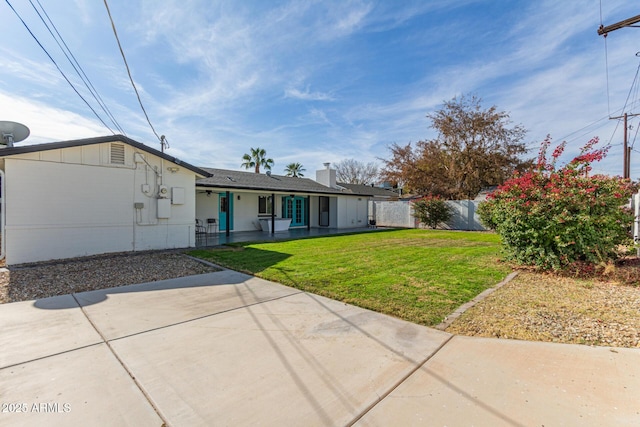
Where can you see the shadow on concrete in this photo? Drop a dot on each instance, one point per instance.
(87, 298)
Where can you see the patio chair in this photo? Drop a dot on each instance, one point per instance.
(201, 234)
(200, 229)
(212, 223)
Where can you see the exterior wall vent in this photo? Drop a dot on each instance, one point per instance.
(117, 154)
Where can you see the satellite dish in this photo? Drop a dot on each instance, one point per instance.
(13, 132)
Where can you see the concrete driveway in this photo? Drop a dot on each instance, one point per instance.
(229, 349)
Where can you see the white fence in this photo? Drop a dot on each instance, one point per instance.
(400, 214)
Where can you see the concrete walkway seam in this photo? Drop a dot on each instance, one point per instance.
(121, 362)
(50, 355)
(464, 307)
(397, 384)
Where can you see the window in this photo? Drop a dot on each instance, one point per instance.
(264, 205)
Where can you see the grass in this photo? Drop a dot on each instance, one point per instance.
(546, 307)
(417, 275)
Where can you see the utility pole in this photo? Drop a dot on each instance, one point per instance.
(603, 31)
(626, 157)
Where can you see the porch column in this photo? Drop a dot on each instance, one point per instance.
(228, 216)
(273, 213)
(308, 212)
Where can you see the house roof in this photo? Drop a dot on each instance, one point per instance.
(223, 178)
(98, 140)
(362, 189)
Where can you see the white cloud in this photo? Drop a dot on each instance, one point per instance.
(47, 123)
(306, 95)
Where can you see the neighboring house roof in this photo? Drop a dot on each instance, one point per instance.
(223, 178)
(98, 140)
(368, 190)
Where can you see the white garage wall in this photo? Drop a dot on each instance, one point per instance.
(71, 202)
(352, 212)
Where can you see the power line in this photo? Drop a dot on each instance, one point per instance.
(115, 33)
(78, 69)
(59, 69)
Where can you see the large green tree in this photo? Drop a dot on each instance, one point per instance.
(474, 148)
(257, 158)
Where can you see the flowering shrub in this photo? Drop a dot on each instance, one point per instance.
(553, 217)
(432, 210)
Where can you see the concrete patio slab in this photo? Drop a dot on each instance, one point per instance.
(480, 381)
(300, 359)
(230, 349)
(86, 387)
(33, 329)
(118, 312)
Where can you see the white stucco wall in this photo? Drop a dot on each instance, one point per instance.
(352, 212)
(400, 214)
(73, 202)
(344, 212)
(245, 210)
(207, 206)
(394, 214)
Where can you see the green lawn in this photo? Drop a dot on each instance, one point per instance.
(417, 275)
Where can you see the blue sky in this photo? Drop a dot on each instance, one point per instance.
(320, 81)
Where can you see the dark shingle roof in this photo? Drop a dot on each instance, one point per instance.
(98, 140)
(223, 178)
(368, 190)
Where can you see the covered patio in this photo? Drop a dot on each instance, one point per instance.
(204, 240)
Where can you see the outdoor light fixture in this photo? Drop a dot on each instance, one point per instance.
(208, 193)
(238, 197)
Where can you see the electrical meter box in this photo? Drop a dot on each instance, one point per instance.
(163, 191)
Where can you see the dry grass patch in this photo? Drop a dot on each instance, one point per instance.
(542, 307)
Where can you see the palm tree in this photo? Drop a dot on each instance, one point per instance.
(257, 158)
(294, 169)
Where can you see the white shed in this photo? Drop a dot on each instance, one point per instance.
(94, 196)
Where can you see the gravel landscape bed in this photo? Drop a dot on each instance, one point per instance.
(540, 307)
(42, 280)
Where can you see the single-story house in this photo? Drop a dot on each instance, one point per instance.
(113, 194)
(93, 196)
(247, 201)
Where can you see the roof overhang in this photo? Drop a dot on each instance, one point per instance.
(9, 151)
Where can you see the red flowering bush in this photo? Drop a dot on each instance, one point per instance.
(553, 217)
(432, 210)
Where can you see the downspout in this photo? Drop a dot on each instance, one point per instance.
(273, 213)
(227, 220)
(308, 212)
(2, 217)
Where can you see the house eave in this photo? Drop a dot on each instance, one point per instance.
(204, 186)
(9, 151)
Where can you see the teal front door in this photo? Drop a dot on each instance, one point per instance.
(225, 207)
(296, 209)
